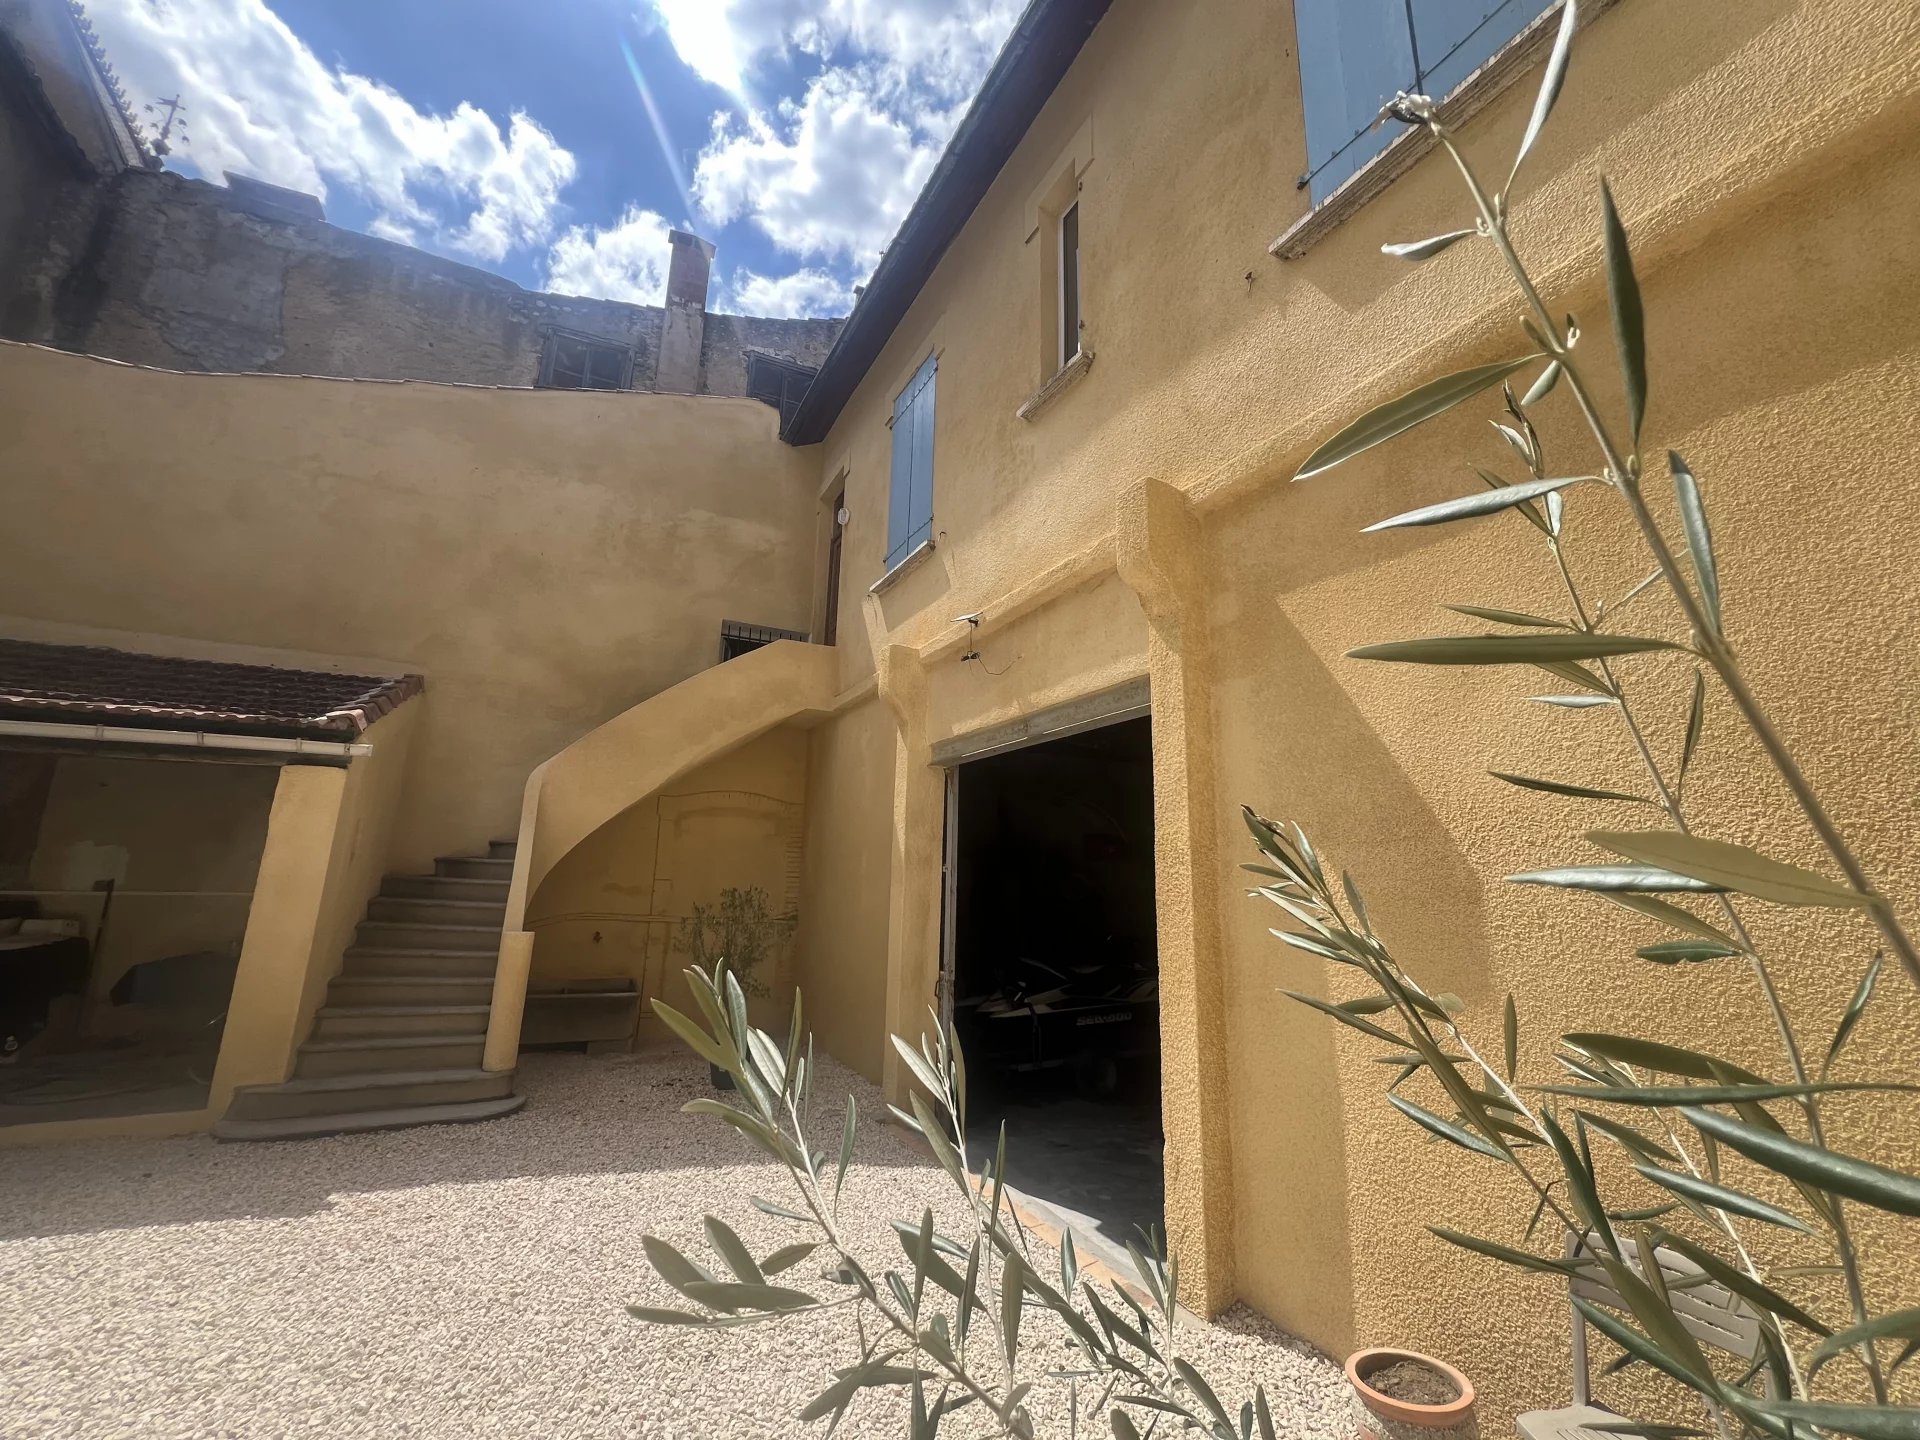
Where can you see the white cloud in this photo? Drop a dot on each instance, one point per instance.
(830, 175)
(805, 294)
(624, 261)
(943, 46)
(263, 104)
(834, 178)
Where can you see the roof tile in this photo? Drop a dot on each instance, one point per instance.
(86, 684)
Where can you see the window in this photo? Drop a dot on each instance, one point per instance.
(777, 382)
(910, 498)
(1069, 285)
(581, 362)
(1354, 54)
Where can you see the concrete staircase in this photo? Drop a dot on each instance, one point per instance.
(398, 1041)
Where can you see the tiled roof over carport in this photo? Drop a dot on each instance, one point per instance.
(83, 684)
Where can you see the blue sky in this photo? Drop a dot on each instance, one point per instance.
(555, 143)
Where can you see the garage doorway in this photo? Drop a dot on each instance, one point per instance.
(1053, 973)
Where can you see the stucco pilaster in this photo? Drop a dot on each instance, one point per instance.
(1158, 551)
(913, 890)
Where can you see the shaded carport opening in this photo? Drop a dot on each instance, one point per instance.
(1055, 973)
(126, 881)
(135, 792)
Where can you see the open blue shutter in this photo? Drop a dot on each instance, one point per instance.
(1354, 55)
(900, 489)
(1457, 37)
(910, 496)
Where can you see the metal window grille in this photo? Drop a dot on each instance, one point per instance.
(737, 638)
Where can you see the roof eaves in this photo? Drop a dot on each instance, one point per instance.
(1039, 51)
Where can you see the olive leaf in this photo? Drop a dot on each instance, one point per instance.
(1484, 502)
(1856, 1007)
(1507, 617)
(1550, 84)
(1579, 792)
(1728, 866)
(1508, 649)
(1693, 519)
(1426, 249)
(1417, 406)
(1629, 321)
(1826, 1169)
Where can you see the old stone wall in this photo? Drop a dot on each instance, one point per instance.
(723, 350)
(157, 269)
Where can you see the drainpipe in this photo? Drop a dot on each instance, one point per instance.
(186, 739)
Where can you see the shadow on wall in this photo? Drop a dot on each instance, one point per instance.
(1768, 298)
(1295, 747)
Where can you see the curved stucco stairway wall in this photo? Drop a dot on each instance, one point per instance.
(631, 758)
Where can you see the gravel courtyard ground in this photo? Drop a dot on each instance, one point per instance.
(459, 1281)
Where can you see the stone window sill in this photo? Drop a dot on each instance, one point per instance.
(912, 560)
(1062, 381)
(1475, 93)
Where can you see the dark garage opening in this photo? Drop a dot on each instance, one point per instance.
(1056, 974)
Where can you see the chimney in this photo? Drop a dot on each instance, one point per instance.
(678, 369)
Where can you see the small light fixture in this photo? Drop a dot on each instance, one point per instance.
(842, 516)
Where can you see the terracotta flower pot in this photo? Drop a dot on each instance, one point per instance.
(1455, 1414)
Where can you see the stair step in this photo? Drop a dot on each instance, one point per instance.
(447, 887)
(502, 849)
(365, 1055)
(346, 1023)
(472, 867)
(412, 910)
(379, 961)
(310, 1126)
(410, 935)
(379, 1090)
(351, 991)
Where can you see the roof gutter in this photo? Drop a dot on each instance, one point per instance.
(1045, 40)
(332, 750)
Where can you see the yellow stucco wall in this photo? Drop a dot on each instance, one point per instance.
(841, 947)
(546, 559)
(1770, 237)
(617, 903)
(523, 548)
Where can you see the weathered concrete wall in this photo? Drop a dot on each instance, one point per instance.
(546, 559)
(723, 358)
(157, 269)
(33, 175)
(1780, 298)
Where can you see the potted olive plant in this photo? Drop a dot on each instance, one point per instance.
(738, 935)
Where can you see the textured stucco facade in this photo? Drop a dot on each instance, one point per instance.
(550, 562)
(1780, 304)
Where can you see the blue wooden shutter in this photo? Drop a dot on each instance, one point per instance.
(1456, 37)
(1354, 54)
(910, 496)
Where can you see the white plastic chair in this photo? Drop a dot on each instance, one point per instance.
(1711, 1313)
